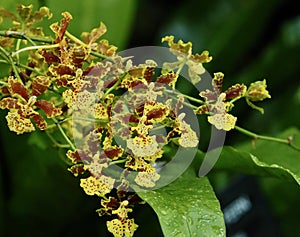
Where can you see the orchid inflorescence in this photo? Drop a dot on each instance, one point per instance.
(108, 111)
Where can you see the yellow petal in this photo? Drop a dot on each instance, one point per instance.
(18, 124)
(147, 179)
(222, 121)
(121, 228)
(97, 186)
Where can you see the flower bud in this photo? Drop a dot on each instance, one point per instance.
(257, 91)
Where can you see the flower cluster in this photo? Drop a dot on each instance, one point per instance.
(116, 117)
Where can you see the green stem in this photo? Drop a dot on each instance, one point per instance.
(32, 39)
(255, 136)
(236, 99)
(185, 103)
(4, 56)
(104, 122)
(118, 162)
(29, 40)
(18, 48)
(24, 66)
(179, 70)
(35, 47)
(55, 142)
(115, 85)
(187, 96)
(11, 61)
(75, 39)
(21, 35)
(30, 68)
(64, 134)
(78, 41)
(99, 55)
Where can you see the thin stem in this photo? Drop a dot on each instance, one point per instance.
(30, 68)
(75, 39)
(179, 70)
(64, 134)
(85, 119)
(235, 99)
(185, 103)
(19, 41)
(35, 47)
(255, 136)
(11, 61)
(55, 142)
(18, 48)
(118, 162)
(32, 39)
(78, 41)
(115, 85)
(4, 56)
(159, 127)
(187, 96)
(21, 35)
(24, 66)
(99, 55)
(29, 40)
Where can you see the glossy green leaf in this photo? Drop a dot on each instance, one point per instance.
(187, 207)
(268, 158)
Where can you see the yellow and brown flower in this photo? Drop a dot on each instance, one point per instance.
(22, 104)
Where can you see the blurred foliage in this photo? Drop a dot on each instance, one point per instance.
(249, 40)
(117, 15)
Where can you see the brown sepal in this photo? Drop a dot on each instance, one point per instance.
(49, 108)
(149, 73)
(39, 121)
(113, 152)
(39, 85)
(49, 56)
(9, 103)
(77, 169)
(166, 79)
(235, 91)
(16, 87)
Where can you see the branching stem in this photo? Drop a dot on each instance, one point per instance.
(21, 35)
(255, 136)
(186, 96)
(35, 47)
(115, 85)
(64, 134)
(11, 61)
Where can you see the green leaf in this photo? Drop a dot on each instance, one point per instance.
(268, 158)
(187, 207)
